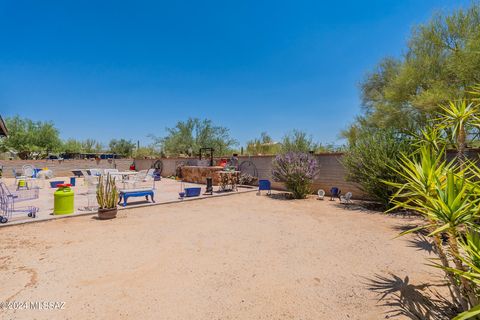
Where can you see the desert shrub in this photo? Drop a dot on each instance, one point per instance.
(296, 170)
(247, 179)
(371, 158)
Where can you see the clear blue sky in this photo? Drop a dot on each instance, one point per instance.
(113, 69)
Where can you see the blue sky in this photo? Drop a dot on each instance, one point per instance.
(118, 69)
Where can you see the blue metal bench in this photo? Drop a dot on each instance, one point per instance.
(125, 194)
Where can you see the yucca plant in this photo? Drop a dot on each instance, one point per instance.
(107, 193)
(448, 199)
(431, 136)
(420, 177)
(457, 117)
(470, 245)
(456, 208)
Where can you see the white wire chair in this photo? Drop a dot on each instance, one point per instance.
(28, 172)
(107, 171)
(91, 181)
(132, 182)
(95, 172)
(346, 199)
(321, 194)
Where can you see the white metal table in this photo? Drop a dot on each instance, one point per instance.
(124, 175)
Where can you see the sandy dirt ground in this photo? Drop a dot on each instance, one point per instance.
(237, 257)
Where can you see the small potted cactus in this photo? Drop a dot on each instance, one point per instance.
(107, 198)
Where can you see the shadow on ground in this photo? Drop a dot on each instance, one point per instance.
(405, 299)
(421, 242)
(279, 196)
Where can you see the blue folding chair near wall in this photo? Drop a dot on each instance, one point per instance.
(335, 193)
(264, 185)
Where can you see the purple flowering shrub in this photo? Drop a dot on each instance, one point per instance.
(296, 170)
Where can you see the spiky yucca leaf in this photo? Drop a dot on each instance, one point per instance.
(459, 114)
(473, 312)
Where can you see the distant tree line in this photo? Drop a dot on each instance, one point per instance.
(294, 141)
(36, 140)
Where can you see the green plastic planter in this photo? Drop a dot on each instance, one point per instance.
(63, 200)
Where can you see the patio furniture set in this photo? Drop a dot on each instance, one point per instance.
(128, 182)
(335, 192)
(29, 180)
(30, 177)
(27, 188)
(265, 185)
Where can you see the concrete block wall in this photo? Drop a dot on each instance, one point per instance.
(169, 165)
(332, 172)
(64, 167)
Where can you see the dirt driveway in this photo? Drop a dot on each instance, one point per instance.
(236, 257)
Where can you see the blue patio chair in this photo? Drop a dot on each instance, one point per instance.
(335, 193)
(264, 185)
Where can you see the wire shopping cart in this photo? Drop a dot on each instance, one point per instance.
(9, 200)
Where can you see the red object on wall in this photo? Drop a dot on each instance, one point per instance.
(222, 162)
(132, 167)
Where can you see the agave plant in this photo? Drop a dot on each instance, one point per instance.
(107, 193)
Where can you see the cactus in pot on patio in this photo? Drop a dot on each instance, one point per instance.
(107, 193)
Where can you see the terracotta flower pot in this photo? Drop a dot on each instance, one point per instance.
(105, 214)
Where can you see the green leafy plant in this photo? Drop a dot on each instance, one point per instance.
(298, 141)
(440, 63)
(448, 199)
(369, 161)
(30, 139)
(457, 117)
(107, 193)
(187, 137)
